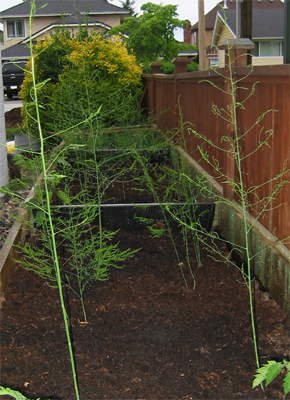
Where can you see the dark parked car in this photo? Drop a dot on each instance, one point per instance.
(13, 75)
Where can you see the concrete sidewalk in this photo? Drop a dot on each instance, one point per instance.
(13, 103)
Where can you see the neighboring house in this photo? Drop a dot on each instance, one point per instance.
(95, 14)
(267, 31)
(267, 35)
(1, 39)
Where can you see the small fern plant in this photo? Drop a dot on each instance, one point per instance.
(268, 372)
(13, 393)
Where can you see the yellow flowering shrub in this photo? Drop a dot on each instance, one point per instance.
(81, 75)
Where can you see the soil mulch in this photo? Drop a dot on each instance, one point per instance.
(148, 335)
(13, 118)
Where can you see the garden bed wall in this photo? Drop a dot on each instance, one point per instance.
(10, 251)
(272, 265)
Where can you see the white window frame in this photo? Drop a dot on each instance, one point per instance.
(194, 38)
(15, 34)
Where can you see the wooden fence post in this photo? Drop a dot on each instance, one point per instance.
(155, 66)
(180, 68)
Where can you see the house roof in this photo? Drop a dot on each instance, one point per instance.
(210, 17)
(21, 51)
(69, 21)
(75, 19)
(46, 8)
(188, 53)
(266, 23)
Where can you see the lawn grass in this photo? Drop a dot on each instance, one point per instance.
(10, 132)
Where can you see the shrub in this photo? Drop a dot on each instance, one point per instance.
(193, 66)
(169, 68)
(77, 76)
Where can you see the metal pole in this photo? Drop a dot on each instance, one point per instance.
(238, 19)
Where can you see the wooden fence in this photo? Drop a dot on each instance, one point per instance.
(192, 95)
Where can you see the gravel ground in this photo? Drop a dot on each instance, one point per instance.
(8, 212)
(10, 209)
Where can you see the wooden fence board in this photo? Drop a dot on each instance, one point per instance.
(195, 97)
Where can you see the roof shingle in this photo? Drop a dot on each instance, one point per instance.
(210, 17)
(266, 23)
(63, 7)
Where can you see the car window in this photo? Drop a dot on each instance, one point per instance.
(10, 68)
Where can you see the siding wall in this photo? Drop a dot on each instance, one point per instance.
(40, 23)
(224, 35)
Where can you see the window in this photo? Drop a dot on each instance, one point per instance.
(195, 38)
(255, 51)
(15, 28)
(213, 62)
(270, 48)
(13, 68)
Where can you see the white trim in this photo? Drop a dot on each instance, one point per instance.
(214, 29)
(9, 59)
(267, 38)
(215, 33)
(70, 25)
(267, 57)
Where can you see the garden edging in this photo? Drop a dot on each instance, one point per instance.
(9, 252)
(272, 265)
(15, 239)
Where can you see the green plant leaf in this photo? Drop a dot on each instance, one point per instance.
(156, 232)
(287, 383)
(13, 393)
(273, 371)
(62, 161)
(63, 196)
(40, 218)
(262, 373)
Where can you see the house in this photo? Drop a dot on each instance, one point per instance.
(267, 31)
(267, 35)
(1, 39)
(50, 14)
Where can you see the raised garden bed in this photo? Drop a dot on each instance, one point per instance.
(133, 196)
(137, 216)
(148, 334)
(147, 337)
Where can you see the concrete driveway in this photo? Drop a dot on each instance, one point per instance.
(13, 103)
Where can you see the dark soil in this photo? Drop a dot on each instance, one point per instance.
(148, 335)
(13, 118)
